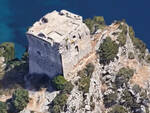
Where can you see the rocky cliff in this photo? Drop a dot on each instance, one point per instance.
(118, 81)
(113, 78)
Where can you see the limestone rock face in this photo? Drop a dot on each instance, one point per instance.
(54, 50)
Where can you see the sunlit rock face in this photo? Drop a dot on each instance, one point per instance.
(57, 42)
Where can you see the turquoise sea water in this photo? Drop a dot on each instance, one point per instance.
(17, 15)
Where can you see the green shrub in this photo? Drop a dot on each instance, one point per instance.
(138, 44)
(89, 69)
(58, 103)
(128, 99)
(60, 99)
(122, 39)
(131, 32)
(136, 88)
(94, 24)
(3, 107)
(118, 109)
(123, 76)
(59, 82)
(148, 58)
(108, 50)
(68, 88)
(20, 99)
(131, 55)
(110, 99)
(123, 27)
(84, 84)
(7, 50)
(55, 109)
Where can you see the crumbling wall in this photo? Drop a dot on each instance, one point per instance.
(77, 48)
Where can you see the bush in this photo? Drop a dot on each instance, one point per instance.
(108, 50)
(148, 58)
(123, 27)
(136, 88)
(128, 99)
(123, 76)
(20, 99)
(84, 84)
(56, 109)
(58, 103)
(110, 99)
(7, 50)
(122, 39)
(138, 44)
(130, 55)
(94, 24)
(118, 109)
(59, 82)
(68, 88)
(3, 107)
(89, 69)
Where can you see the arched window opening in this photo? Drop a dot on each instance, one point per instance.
(77, 48)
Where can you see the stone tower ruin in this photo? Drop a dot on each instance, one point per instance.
(57, 42)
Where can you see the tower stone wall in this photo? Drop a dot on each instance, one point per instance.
(57, 42)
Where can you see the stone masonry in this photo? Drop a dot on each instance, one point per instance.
(57, 42)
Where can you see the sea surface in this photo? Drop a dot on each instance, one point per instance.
(17, 15)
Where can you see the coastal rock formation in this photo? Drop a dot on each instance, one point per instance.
(106, 90)
(106, 70)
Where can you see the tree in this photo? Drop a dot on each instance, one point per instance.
(131, 55)
(7, 50)
(118, 109)
(95, 23)
(58, 103)
(108, 51)
(20, 99)
(59, 82)
(110, 99)
(84, 84)
(123, 76)
(122, 39)
(68, 88)
(3, 107)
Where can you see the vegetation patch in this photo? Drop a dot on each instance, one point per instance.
(110, 99)
(3, 107)
(123, 76)
(107, 51)
(65, 87)
(59, 82)
(20, 99)
(148, 58)
(85, 75)
(7, 50)
(138, 44)
(118, 109)
(96, 23)
(58, 103)
(131, 55)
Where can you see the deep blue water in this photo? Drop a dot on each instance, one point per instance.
(17, 15)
